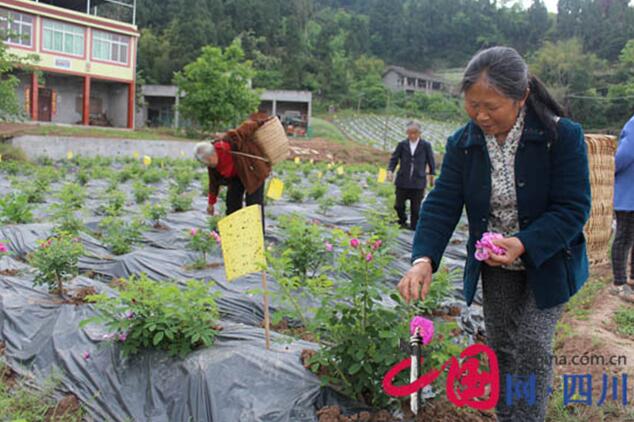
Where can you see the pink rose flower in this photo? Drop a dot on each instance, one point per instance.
(216, 236)
(3, 248)
(425, 328)
(123, 337)
(194, 232)
(85, 355)
(485, 246)
(368, 257)
(329, 247)
(376, 245)
(354, 242)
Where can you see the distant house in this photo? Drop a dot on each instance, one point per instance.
(399, 79)
(160, 106)
(87, 62)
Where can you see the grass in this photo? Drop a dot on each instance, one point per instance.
(9, 152)
(326, 130)
(624, 319)
(100, 132)
(580, 305)
(19, 403)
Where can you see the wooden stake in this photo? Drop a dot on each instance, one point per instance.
(267, 332)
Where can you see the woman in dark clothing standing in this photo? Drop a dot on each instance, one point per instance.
(521, 171)
(414, 156)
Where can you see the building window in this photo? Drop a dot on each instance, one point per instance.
(16, 28)
(110, 47)
(63, 38)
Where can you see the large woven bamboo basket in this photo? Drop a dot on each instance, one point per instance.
(598, 230)
(272, 140)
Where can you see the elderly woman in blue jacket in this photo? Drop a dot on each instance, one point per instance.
(521, 170)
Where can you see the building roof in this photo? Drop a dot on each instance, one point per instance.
(287, 95)
(412, 73)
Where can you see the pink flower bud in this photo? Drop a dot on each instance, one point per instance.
(123, 337)
(194, 232)
(3, 248)
(85, 355)
(329, 247)
(376, 245)
(368, 257)
(354, 242)
(425, 328)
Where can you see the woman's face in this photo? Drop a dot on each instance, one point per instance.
(493, 112)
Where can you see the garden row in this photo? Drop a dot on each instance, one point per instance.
(385, 132)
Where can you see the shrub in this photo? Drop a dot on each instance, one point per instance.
(439, 291)
(115, 201)
(183, 177)
(153, 315)
(203, 242)
(212, 222)
(154, 213)
(141, 192)
(181, 201)
(72, 196)
(153, 175)
(295, 195)
(119, 235)
(56, 261)
(303, 244)
(11, 153)
(360, 335)
(318, 191)
(325, 205)
(351, 194)
(36, 189)
(15, 209)
(82, 177)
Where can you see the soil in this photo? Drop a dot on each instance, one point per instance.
(333, 414)
(282, 327)
(68, 408)
(79, 296)
(9, 273)
(320, 149)
(596, 336)
(8, 377)
(3, 347)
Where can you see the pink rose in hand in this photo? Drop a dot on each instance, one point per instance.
(485, 246)
(425, 328)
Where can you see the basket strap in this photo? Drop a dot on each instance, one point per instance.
(257, 157)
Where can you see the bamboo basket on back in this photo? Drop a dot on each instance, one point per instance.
(272, 140)
(598, 230)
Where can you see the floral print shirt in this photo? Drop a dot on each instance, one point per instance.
(503, 216)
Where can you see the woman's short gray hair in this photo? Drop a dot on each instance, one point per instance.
(204, 150)
(413, 126)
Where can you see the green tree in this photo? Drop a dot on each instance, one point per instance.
(216, 88)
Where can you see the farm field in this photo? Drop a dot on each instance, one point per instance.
(371, 129)
(131, 228)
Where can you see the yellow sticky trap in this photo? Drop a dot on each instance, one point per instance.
(147, 160)
(312, 161)
(242, 241)
(320, 174)
(276, 188)
(297, 160)
(381, 176)
(340, 170)
(135, 155)
(69, 155)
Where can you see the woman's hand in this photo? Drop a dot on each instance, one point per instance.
(514, 249)
(416, 282)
